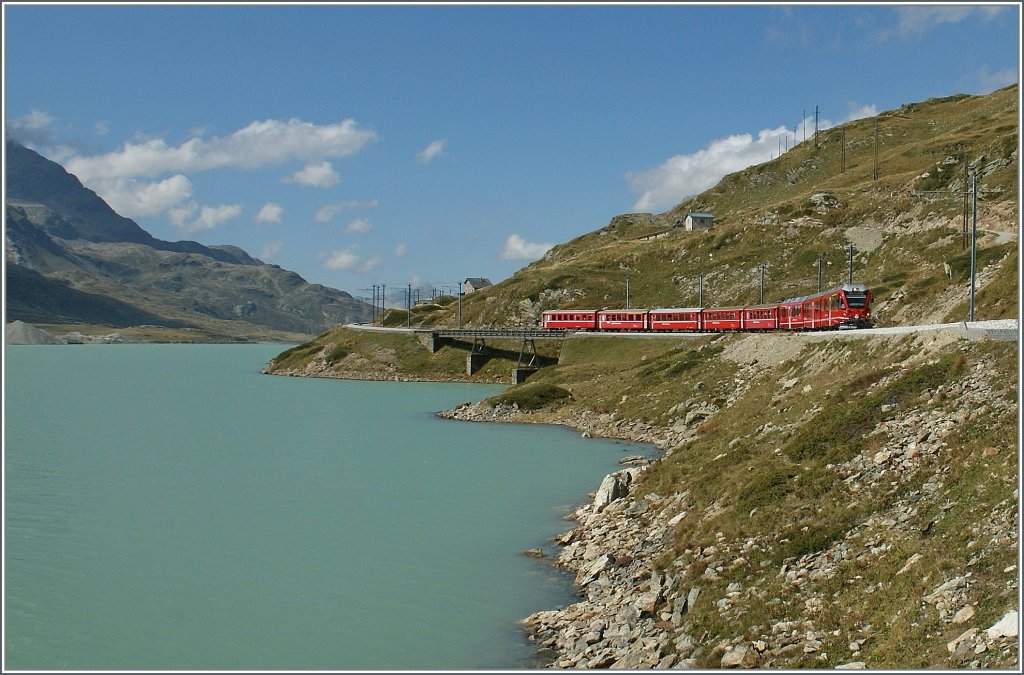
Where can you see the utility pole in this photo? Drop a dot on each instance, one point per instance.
(460, 306)
(627, 290)
(963, 243)
(842, 151)
(819, 274)
(815, 127)
(851, 264)
(363, 290)
(761, 302)
(408, 306)
(874, 171)
(974, 237)
(700, 290)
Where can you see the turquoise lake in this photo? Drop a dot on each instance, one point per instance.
(168, 507)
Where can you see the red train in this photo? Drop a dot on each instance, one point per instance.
(846, 306)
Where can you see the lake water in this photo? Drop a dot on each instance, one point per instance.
(168, 507)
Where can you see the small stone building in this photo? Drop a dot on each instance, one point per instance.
(474, 284)
(696, 220)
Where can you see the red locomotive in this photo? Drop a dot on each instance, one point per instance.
(846, 306)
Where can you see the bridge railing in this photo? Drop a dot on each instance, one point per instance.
(531, 334)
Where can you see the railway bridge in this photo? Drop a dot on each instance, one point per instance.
(528, 361)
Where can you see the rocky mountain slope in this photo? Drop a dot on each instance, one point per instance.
(71, 260)
(904, 216)
(821, 501)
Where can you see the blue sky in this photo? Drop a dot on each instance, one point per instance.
(363, 145)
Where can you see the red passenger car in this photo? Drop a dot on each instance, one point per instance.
(724, 318)
(570, 319)
(622, 319)
(686, 319)
(761, 317)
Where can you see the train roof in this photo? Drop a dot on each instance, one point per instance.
(677, 309)
(856, 288)
(564, 311)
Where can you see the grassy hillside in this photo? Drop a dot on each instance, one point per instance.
(786, 213)
(812, 474)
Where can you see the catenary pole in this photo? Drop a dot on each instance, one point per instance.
(974, 238)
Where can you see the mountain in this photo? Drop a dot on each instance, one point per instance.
(71, 259)
(891, 186)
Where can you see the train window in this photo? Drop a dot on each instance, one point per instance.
(856, 298)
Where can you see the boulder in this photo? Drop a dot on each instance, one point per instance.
(1005, 627)
(614, 486)
(740, 656)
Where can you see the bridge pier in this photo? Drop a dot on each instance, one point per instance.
(522, 373)
(475, 361)
(477, 357)
(435, 342)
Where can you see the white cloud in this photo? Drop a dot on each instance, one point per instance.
(913, 21)
(134, 199)
(270, 214)
(320, 175)
(35, 119)
(401, 250)
(346, 259)
(431, 151)
(270, 250)
(209, 217)
(985, 82)
(370, 263)
(358, 226)
(326, 213)
(33, 130)
(683, 175)
(516, 248)
(264, 143)
(101, 128)
(662, 187)
(260, 144)
(360, 204)
(857, 112)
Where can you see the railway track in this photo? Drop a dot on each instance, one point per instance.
(1001, 329)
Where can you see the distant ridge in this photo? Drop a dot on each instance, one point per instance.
(71, 259)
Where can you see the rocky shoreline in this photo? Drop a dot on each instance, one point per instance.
(634, 610)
